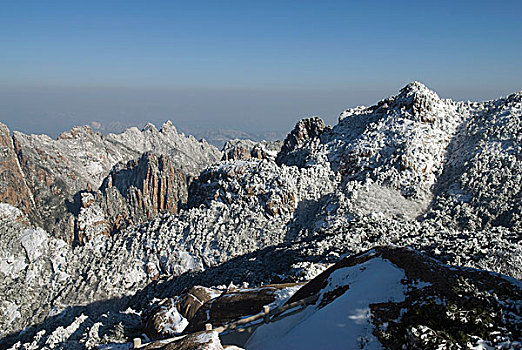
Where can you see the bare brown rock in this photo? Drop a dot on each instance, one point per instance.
(58, 171)
(13, 188)
(232, 306)
(149, 185)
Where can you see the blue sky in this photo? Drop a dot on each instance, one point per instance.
(256, 64)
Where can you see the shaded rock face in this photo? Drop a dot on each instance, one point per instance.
(151, 184)
(130, 194)
(13, 188)
(306, 132)
(57, 170)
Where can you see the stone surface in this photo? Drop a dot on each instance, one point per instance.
(296, 146)
(172, 315)
(13, 187)
(131, 194)
(57, 170)
(246, 149)
(195, 341)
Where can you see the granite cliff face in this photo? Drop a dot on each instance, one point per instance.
(131, 194)
(300, 141)
(13, 187)
(57, 170)
(147, 215)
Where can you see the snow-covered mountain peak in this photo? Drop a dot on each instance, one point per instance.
(416, 99)
(418, 88)
(76, 132)
(168, 127)
(150, 127)
(515, 98)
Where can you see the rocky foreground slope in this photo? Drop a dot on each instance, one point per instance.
(439, 176)
(400, 299)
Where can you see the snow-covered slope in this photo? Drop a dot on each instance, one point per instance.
(482, 181)
(345, 321)
(392, 298)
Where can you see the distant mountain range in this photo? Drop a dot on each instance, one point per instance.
(215, 136)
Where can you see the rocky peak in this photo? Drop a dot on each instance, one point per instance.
(419, 100)
(168, 127)
(375, 175)
(150, 127)
(153, 179)
(77, 132)
(132, 193)
(305, 132)
(416, 87)
(305, 129)
(247, 149)
(513, 100)
(56, 171)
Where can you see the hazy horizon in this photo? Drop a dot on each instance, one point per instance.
(255, 67)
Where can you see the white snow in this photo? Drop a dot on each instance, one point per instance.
(345, 323)
(11, 265)
(282, 295)
(176, 322)
(33, 241)
(61, 334)
(306, 270)
(11, 311)
(211, 340)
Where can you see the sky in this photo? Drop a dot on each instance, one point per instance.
(257, 66)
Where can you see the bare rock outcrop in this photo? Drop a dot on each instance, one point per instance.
(57, 170)
(13, 188)
(132, 193)
(172, 315)
(247, 149)
(151, 184)
(194, 341)
(297, 145)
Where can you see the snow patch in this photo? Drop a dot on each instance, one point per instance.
(33, 241)
(344, 322)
